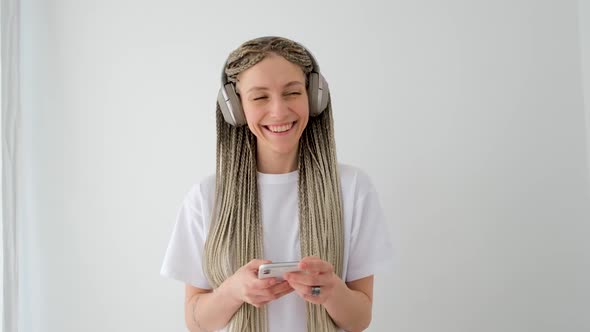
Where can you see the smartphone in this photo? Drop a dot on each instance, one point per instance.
(276, 270)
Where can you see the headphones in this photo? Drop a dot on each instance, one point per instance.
(318, 94)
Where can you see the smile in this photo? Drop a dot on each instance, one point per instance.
(279, 129)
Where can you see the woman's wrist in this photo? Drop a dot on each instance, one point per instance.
(227, 291)
(338, 291)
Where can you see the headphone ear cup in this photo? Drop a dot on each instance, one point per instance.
(318, 94)
(325, 94)
(230, 105)
(312, 94)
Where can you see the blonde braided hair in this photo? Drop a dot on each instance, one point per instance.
(235, 236)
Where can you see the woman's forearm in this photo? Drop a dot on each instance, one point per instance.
(350, 309)
(205, 312)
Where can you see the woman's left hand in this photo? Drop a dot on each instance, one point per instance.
(315, 272)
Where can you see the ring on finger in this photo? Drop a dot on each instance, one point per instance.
(315, 291)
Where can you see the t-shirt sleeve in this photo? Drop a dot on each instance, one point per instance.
(183, 260)
(371, 250)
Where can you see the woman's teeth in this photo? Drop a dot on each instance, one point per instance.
(280, 129)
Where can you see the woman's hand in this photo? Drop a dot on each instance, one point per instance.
(244, 285)
(315, 272)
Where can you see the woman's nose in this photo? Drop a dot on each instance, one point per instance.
(278, 107)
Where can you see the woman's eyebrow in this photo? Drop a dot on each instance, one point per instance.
(293, 83)
(262, 88)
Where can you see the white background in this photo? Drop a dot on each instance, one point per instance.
(468, 115)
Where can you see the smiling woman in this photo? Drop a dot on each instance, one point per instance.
(278, 195)
(277, 111)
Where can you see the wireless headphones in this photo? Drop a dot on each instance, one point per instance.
(318, 94)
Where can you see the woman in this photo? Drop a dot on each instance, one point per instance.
(278, 195)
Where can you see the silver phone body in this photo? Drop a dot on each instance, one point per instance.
(276, 270)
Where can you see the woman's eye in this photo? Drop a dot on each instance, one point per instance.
(260, 98)
(294, 93)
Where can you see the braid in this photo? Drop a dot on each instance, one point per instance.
(235, 236)
(252, 52)
(320, 210)
(236, 222)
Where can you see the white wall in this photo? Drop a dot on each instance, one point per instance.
(584, 35)
(468, 115)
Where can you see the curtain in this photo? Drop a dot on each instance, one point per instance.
(10, 131)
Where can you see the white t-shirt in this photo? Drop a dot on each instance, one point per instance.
(367, 248)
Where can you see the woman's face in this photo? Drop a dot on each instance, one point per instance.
(274, 99)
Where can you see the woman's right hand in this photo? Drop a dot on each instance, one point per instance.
(244, 285)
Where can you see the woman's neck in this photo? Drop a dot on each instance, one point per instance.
(271, 162)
